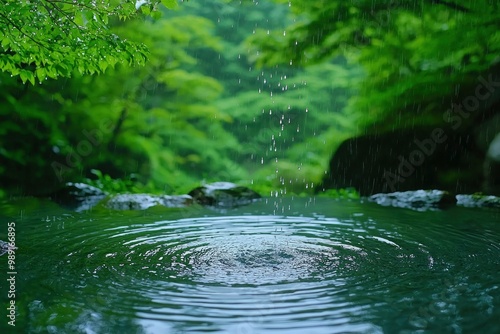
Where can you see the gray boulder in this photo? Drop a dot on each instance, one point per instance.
(478, 201)
(419, 200)
(144, 201)
(223, 195)
(403, 160)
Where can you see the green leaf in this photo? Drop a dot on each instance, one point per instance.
(27, 76)
(156, 14)
(170, 4)
(41, 74)
(146, 10)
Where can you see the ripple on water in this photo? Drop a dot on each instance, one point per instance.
(266, 272)
(243, 250)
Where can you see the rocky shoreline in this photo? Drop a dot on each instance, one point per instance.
(222, 195)
(81, 197)
(423, 200)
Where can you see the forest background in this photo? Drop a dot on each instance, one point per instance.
(256, 93)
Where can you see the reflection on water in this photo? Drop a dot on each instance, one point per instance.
(279, 266)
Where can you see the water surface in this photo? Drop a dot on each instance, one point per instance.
(294, 265)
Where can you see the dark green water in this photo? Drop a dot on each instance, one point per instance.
(278, 266)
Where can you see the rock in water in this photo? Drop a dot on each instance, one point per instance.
(478, 201)
(144, 201)
(223, 195)
(420, 200)
(78, 196)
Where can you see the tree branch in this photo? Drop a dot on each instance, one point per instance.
(451, 5)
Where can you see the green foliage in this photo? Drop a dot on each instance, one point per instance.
(116, 186)
(157, 122)
(197, 110)
(290, 123)
(166, 128)
(49, 39)
(286, 119)
(347, 193)
(416, 55)
(223, 96)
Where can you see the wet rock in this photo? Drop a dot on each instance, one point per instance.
(420, 200)
(478, 201)
(144, 201)
(78, 196)
(223, 195)
(407, 159)
(4, 247)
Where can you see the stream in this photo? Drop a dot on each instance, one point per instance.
(280, 265)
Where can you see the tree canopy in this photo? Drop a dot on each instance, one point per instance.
(416, 54)
(53, 38)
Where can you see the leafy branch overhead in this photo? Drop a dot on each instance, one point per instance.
(54, 38)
